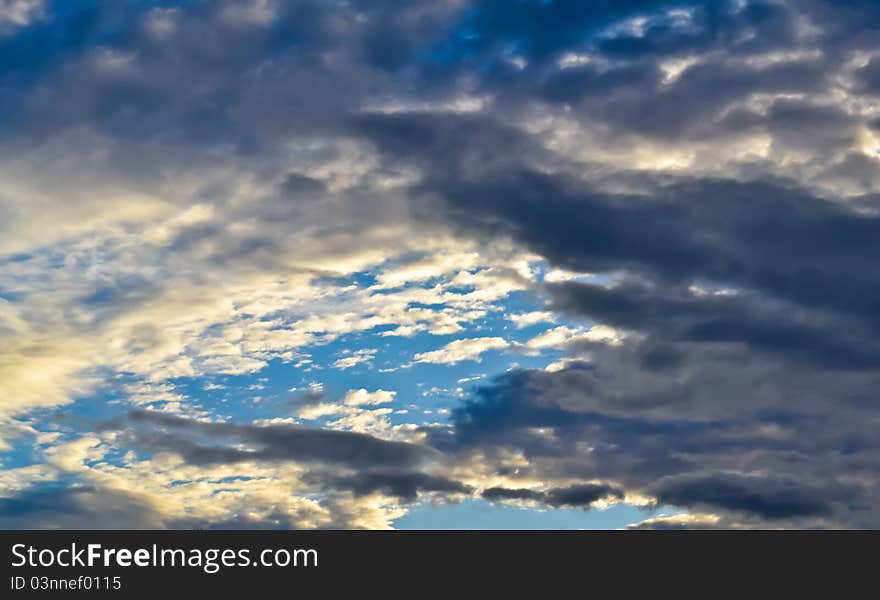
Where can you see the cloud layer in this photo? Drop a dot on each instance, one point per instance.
(650, 226)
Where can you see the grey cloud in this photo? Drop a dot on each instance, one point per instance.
(78, 507)
(869, 76)
(580, 495)
(767, 497)
(715, 231)
(679, 315)
(405, 485)
(500, 494)
(202, 442)
(715, 410)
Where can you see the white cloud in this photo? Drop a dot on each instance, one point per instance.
(552, 338)
(71, 456)
(461, 350)
(563, 335)
(522, 320)
(364, 355)
(556, 275)
(362, 397)
(434, 265)
(684, 520)
(311, 412)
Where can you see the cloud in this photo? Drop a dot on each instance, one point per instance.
(70, 456)
(531, 318)
(768, 498)
(362, 397)
(364, 355)
(405, 485)
(461, 350)
(19, 13)
(78, 508)
(581, 495)
(749, 443)
(359, 411)
(203, 442)
(316, 411)
(567, 336)
(687, 191)
(681, 522)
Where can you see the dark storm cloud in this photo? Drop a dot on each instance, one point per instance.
(302, 185)
(679, 315)
(93, 507)
(576, 84)
(665, 432)
(500, 494)
(353, 463)
(202, 442)
(78, 507)
(581, 495)
(769, 237)
(445, 144)
(405, 485)
(869, 77)
(769, 498)
(768, 365)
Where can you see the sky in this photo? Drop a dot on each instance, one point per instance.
(446, 264)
